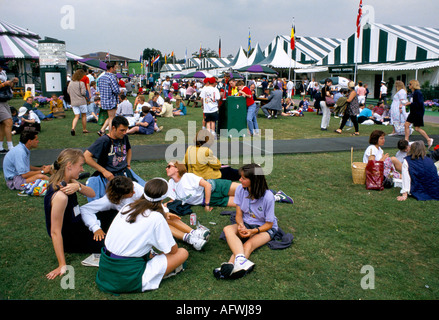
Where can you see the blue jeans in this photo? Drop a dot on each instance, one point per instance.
(252, 121)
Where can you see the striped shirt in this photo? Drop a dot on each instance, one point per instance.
(109, 91)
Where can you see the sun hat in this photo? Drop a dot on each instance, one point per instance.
(22, 111)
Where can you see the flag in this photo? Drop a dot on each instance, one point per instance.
(249, 41)
(293, 39)
(219, 48)
(166, 59)
(360, 13)
(200, 52)
(185, 56)
(156, 59)
(107, 57)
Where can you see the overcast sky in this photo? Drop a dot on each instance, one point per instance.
(126, 27)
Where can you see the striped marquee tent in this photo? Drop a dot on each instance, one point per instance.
(19, 43)
(308, 50)
(383, 43)
(240, 60)
(280, 56)
(256, 56)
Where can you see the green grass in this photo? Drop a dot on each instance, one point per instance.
(338, 227)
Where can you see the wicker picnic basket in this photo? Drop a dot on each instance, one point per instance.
(358, 170)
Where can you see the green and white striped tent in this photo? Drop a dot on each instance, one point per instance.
(386, 44)
(308, 50)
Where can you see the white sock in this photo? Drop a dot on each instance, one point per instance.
(10, 145)
(240, 257)
(1, 146)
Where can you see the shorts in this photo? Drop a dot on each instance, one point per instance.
(5, 111)
(212, 116)
(272, 232)
(16, 183)
(220, 192)
(80, 110)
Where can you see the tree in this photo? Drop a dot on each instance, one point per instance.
(205, 53)
(149, 54)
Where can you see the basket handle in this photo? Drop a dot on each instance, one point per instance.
(352, 155)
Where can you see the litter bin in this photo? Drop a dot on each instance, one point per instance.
(233, 117)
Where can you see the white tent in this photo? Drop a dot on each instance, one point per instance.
(279, 58)
(240, 60)
(256, 56)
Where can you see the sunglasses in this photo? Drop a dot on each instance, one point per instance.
(169, 165)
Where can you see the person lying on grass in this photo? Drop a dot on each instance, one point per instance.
(128, 263)
(122, 191)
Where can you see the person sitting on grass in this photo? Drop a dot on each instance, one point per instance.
(63, 220)
(128, 262)
(392, 166)
(419, 175)
(200, 160)
(17, 170)
(194, 190)
(256, 222)
(56, 108)
(147, 125)
(28, 121)
(113, 155)
(181, 109)
(167, 109)
(122, 191)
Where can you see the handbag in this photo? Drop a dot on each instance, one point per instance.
(329, 101)
(375, 175)
(6, 94)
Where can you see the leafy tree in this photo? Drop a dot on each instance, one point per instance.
(205, 53)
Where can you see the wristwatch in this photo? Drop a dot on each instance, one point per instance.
(42, 171)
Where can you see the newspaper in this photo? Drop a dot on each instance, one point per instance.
(92, 260)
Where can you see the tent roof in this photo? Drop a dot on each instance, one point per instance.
(307, 49)
(10, 29)
(256, 56)
(278, 58)
(240, 59)
(383, 43)
(18, 43)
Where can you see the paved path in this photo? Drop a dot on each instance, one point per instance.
(241, 148)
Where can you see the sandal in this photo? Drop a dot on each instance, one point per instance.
(336, 131)
(85, 131)
(355, 134)
(100, 133)
(72, 132)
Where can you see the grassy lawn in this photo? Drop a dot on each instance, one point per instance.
(338, 227)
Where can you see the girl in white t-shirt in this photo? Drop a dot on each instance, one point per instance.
(127, 263)
(374, 152)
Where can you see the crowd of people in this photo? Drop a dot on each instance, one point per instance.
(126, 216)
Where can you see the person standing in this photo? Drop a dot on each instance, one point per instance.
(417, 110)
(5, 112)
(77, 92)
(210, 95)
(352, 110)
(326, 92)
(252, 121)
(398, 113)
(383, 92)
(109, 92)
